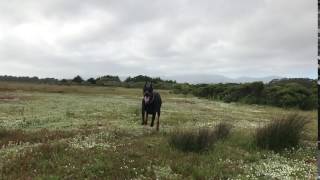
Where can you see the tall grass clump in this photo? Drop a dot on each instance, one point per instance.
(222, 130)
(281, 133)
(190, 140)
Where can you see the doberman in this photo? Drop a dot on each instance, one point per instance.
(151, 104)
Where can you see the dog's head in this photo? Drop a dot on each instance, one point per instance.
(147, 92)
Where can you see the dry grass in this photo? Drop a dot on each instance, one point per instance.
(16, 136)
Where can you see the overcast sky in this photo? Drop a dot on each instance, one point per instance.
(63, 38)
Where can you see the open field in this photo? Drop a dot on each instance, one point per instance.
(78, 132)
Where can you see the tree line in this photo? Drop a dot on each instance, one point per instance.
(299, 93)
(286, 93)
(107, 80)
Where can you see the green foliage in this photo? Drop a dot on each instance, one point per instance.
(287, 93)
(139, 78)
(198, 140)
(281, 133)
(290, 95)
(91, 81)
(305, 82)
(184, 88)
(77, 79)
(107, 79)
(139, 81)
(29, 79)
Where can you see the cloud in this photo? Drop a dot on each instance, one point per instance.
(158, 38)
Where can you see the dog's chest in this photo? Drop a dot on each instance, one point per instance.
(149, 108)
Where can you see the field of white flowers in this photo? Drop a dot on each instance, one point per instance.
(66, 135)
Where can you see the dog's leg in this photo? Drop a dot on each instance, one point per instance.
(158, 117)
(143, 112)
(143, 117)
(153, 117)
(146, 118)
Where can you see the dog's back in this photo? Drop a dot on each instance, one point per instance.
(157, 101)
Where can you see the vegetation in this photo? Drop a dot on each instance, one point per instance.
(141, 78)
(198, 140)
(95, 132)
(285, 93)
(77, 79)
(107, 80)
(298, 93)
(92, 81)
(285, 132)
(27, 79)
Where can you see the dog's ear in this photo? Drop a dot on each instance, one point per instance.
(144, 87)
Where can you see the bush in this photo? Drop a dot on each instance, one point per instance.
(285, 93)
(222, 130)
(198, 140)
(77, 79)
(281, 133)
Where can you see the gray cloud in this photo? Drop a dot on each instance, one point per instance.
(158, 38)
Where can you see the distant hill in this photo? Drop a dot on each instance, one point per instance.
(201, 78)
(265, 79)
(192, 79)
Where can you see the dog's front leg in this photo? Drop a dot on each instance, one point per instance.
(142, 117)
(143, 111)
(146, 118)
(152, 120)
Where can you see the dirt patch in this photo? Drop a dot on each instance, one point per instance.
(9, 98)
(12, 97)
(41, 136)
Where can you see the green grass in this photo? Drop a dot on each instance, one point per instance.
(78, 132)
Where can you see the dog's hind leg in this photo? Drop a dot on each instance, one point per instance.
(153, 118)
(158, 118)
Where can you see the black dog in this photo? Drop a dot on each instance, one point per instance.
(151, 104)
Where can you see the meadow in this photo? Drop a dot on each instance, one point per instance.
(83, 132)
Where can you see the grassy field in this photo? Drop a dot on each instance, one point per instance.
(77, 132)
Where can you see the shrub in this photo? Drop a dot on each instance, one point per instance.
(198, 140)
(281, 133)
(222, 130)
(77, 79)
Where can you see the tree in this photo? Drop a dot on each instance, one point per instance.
(91, 81)
(77, 79)
(139, 78)
(108, 78)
